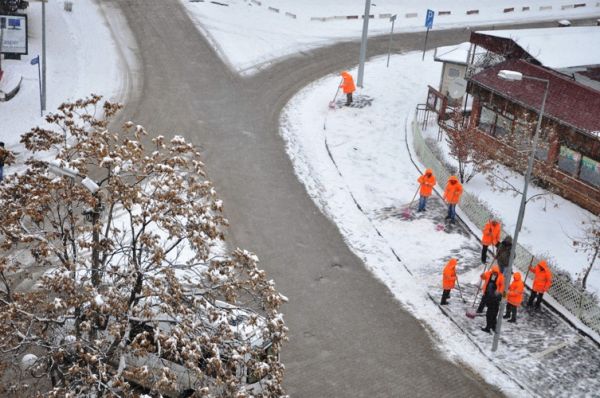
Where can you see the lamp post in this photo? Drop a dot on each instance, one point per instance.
(363, 44)
(92, 215)
(518, 76)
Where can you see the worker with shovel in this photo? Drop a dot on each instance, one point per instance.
(347, 86)
(452, 195)
(493, 287)
(426, 184)
(448, 280)
(541, 283)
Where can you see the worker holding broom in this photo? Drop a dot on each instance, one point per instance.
(493, 287)
(426, 183)
(347, 86)
(452, 195)
(541, 283)
(448, 280)
(491, 236)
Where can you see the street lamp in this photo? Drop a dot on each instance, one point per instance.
(518, 76)
(92, 215)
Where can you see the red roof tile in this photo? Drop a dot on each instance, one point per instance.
(568, 102)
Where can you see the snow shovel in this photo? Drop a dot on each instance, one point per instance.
(332, 102)
(406, 213)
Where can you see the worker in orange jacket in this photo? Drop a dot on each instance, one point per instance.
(493, 287)
(347, 86)
(426, 183)
(514, 297)
(448, 280)
(452, 195)
(541, 283)
(491, 236)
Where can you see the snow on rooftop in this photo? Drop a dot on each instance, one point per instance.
(457, 53)
(557, 48)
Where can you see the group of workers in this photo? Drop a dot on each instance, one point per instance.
(493, 279)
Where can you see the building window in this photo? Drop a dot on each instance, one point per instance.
(487, 119)
(503, 126)
(568, 160)
(590, 171)
(453, 72)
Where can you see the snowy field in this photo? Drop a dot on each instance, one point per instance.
(85, 55)
(356, 167)
(251, 34)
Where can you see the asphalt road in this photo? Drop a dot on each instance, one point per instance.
(348, 336)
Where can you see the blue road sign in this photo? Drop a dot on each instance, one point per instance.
(429, 19)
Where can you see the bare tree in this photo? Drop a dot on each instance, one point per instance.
(138, 286)
(589, 243)
(514, 148)
(465, 147)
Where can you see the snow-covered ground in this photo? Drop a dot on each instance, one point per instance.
(356, 167)
(251, 34)
(85, 54)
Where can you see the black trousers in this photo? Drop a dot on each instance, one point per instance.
(482, 304)
(511, 311)
(445, 296)
(532, 297)
(493, 305)
(484, 252)
(348, 98)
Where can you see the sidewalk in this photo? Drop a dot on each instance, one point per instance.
(544, 354)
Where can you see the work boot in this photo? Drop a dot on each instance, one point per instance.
(485, 330)
(512, 321)
(506, 316)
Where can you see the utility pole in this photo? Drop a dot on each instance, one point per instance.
(393, 19)
(44, 55)
(363, 44)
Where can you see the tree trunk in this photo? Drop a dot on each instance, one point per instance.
(587, 272)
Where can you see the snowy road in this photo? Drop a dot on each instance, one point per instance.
(348, 336)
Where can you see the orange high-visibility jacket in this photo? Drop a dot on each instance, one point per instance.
(515, 290)
(499, 280)
(453, 191)
(348, 84)
(449, 275)
(543, 277)
(427, 183)
(491, 234)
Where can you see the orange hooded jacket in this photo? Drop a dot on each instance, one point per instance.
(499, 281)
(348, 84)
(515, 290)
(453, 191)
(491, 233)
(449, 275)
(427, 182)
(543, 277)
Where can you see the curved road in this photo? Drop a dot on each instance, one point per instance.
(348, 336)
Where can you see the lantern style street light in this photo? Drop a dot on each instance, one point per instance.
(510, 75)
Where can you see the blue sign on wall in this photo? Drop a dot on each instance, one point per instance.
(429, 19)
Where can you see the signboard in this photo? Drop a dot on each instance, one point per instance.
(14, 34)
(429, 19)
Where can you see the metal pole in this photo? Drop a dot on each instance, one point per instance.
(393, 18)
(44, 54)
(1, 41)
(40, 86)
(363, 44)
(425, 45)
(508, 270)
